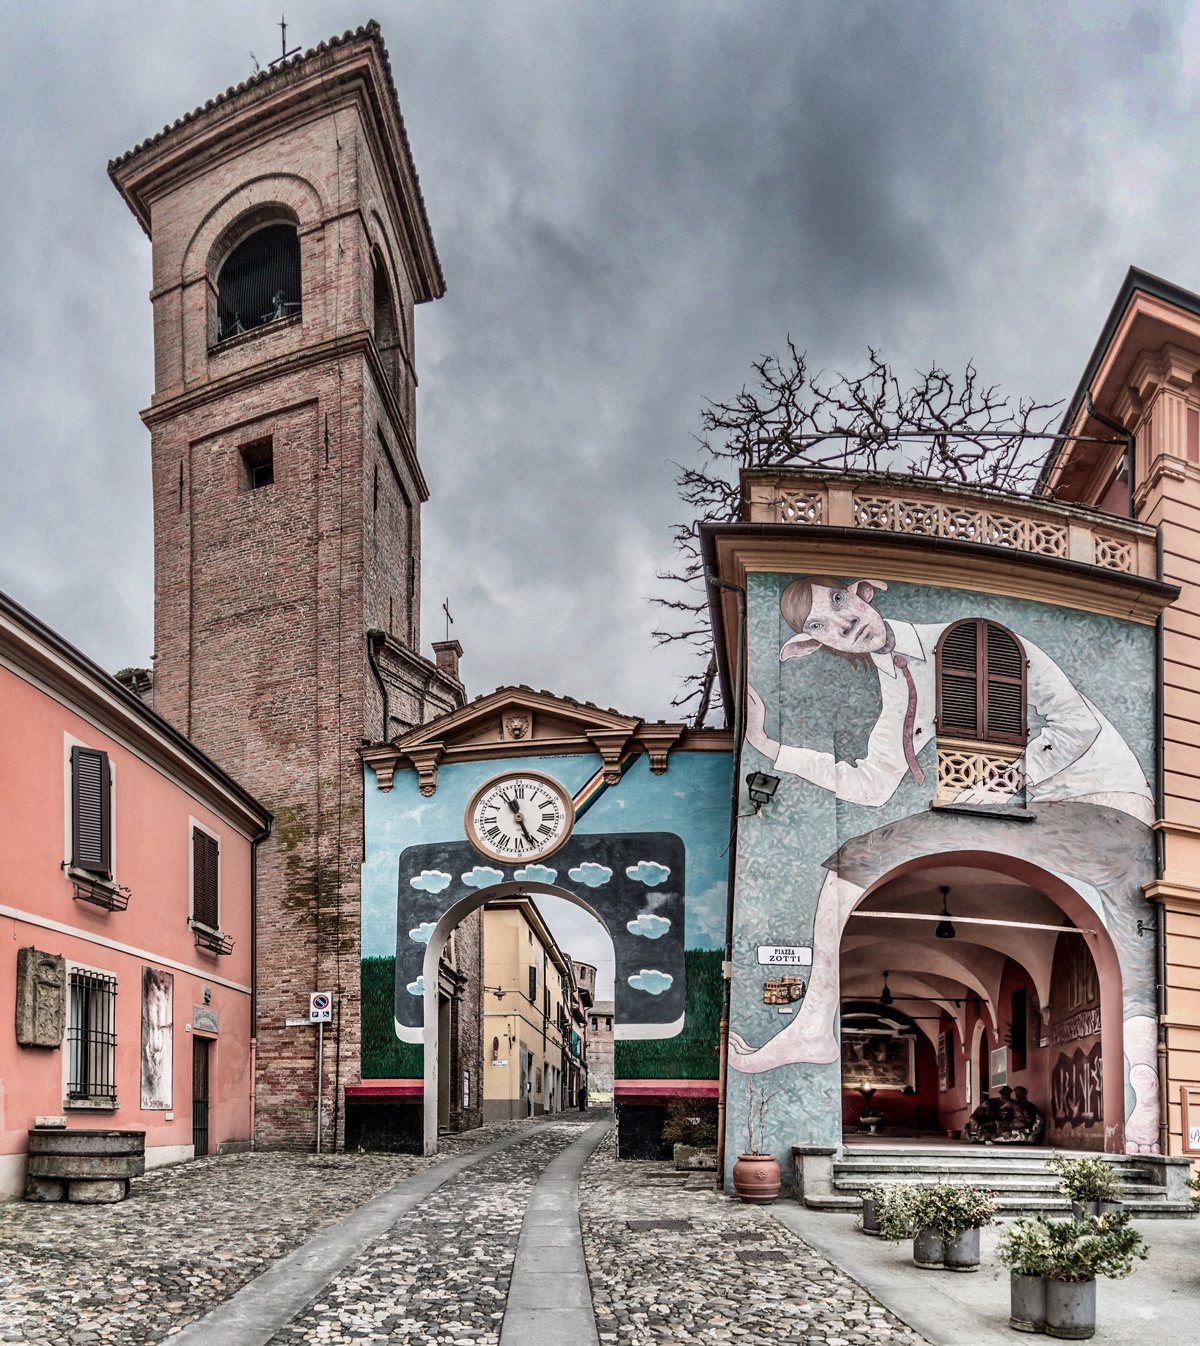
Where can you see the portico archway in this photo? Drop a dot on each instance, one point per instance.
(1025, 964)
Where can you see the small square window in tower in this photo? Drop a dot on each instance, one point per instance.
(256, 467)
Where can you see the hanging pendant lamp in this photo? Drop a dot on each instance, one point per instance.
(945, 929)
(885, 996)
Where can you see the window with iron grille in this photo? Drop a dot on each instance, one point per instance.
(92, 1038)
(91, 811)
(981, 683)
(259, 282)
(206, 854)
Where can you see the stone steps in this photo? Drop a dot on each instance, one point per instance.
(1020, 1178)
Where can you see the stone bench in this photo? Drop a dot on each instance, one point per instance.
(84, 1166)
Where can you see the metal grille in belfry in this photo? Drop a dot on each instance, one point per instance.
(259, 282)
(92, 1037)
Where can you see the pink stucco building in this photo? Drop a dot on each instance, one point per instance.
(126, 914)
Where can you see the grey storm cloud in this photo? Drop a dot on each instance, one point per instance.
(631, 202)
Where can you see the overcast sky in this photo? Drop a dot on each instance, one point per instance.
(632, 200)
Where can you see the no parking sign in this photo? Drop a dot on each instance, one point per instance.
(320, 1007)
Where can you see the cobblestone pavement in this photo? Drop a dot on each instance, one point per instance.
(191, 1235)
(187, 1237)
(442, 1273)
(674, 1261)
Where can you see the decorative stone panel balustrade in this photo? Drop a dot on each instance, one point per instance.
(963, 766)
(917, 508)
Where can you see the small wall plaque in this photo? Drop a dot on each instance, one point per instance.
(783, 990)
(205, 1020)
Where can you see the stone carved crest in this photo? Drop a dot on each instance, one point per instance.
(41, 998)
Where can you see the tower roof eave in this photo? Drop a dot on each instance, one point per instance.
(357, 56)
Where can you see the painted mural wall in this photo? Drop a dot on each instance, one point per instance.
(841, 706)
(647, 855)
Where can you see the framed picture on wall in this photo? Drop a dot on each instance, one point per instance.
(881, 1060)
(1190, 1098)
(998, 1072)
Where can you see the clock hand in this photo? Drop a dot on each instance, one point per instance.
(516, 809)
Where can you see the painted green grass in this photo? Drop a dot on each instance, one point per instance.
(693, 1054)
(690, 1056)
(384, 1056)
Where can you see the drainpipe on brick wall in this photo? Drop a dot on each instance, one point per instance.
(376, 636)
(734, 805)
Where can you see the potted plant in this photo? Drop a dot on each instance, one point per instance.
(1081, 1251)
(893, 1202)
(756, 1175)
(956, 1212)
(691, 1130)
(1025, 1249)
(888, 1198)
(1089, 1182)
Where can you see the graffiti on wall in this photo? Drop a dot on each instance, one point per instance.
(1077, 1088)
(1075, 772)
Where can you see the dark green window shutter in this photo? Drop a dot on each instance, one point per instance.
(91, 811)
(205, 853)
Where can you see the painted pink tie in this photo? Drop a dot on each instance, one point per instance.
(910, 719)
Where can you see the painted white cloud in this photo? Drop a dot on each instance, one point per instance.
(430, 881)
(422, 933)
(416, 987)
(536, 874)
(590, 873)
(651, 980)
(482, 876)
(649, 925)
(648, 872)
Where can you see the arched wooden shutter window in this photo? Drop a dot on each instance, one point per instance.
(981, 683)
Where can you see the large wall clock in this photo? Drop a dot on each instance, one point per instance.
(521, 816)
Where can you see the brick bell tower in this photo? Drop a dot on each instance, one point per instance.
(290, 246)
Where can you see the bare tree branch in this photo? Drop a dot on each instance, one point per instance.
(938, 428)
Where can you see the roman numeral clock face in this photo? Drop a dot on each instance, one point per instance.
(519, 817)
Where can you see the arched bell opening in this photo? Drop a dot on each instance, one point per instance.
(1001, 977)
(508, 1008)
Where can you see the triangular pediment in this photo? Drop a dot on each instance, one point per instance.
(517, 721)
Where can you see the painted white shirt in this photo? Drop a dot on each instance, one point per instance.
(1076, 754)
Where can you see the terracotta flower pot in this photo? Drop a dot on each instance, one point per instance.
(756, 1178)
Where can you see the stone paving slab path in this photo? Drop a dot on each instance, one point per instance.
(508, 1238)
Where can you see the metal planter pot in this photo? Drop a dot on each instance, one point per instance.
(870, 1217)
(1071, 1309)
(929, 1251)
(962, 1252)
(1027, 1305)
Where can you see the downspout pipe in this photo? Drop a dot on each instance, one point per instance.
(1130, 442)
(376, 637)
(734, 806)
(255, 843)
(1160, 858)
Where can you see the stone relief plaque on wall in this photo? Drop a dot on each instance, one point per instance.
(41, 998)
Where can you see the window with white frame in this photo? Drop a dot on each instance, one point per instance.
(91, 1039)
